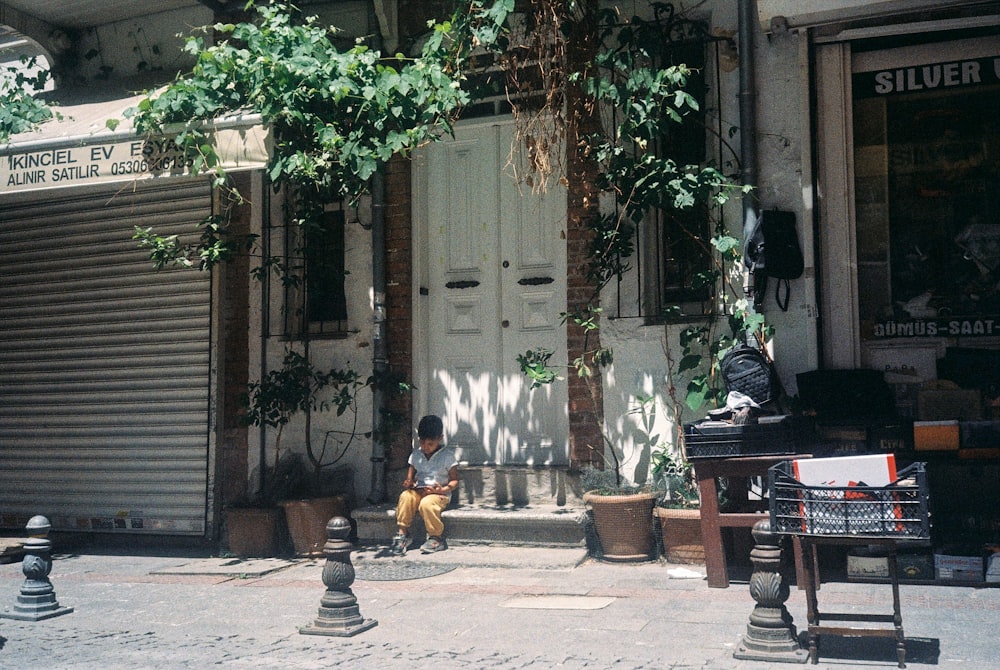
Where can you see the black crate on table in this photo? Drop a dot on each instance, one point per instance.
(898, 510)
(718, 439)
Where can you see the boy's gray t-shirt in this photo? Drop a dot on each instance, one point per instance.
(433, 470)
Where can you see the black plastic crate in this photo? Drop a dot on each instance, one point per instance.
(898, 510)
(718, 439)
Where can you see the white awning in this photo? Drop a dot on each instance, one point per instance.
(800, 14)
(80, 149)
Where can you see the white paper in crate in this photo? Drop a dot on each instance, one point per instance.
(837, 511)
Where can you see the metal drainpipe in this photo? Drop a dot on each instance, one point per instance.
(380, 349)
(748, 117)
(379, 346)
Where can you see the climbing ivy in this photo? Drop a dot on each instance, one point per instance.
(20, 110)
(335, 114)
(649, 102)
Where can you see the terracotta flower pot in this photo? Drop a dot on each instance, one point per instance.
(681, 534)
(253, 531)
(307, 521)
(623, 524)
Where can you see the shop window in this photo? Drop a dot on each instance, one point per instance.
(316, 300)
(927, 195)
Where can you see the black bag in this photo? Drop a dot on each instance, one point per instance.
(773, 250)
(748, 371)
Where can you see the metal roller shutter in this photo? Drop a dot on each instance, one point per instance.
(104, 363)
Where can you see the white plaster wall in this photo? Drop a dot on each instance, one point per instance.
(640, 370)
(784, 182)
(138, 47)
(351, 352)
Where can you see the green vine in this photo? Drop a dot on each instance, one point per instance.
(649, 103)
(335, 115)
(20, 110)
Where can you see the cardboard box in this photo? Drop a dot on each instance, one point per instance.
(843, 439)
(935, 435)
(939, 404)
(958, 568)
(993, 568)
(869, 470)
(896, 436)
(979, 434)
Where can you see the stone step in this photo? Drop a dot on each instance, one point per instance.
(513, 486)
(543, 525)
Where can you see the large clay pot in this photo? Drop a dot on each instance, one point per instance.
(253, 531)
(307, 521)
(623, 524)
(681, 535)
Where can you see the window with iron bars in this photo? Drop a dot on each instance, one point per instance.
(315, 295)
(673, 252)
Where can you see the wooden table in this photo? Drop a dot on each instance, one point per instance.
(815, 617)
(707, 471)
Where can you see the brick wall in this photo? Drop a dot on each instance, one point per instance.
(586, 401)
(399, 306)
(231, 452)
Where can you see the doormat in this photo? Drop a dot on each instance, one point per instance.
(397, 570)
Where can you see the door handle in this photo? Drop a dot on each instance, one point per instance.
(465, 283)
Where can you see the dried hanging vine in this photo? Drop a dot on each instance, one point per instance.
(536, 69)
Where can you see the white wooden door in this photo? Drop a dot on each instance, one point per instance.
(492, 280)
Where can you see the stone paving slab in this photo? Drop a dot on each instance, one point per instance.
(242, 568)
(558, 602)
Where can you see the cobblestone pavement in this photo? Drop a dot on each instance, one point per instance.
(176, 612)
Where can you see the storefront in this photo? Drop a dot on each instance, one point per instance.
(908, 228)
(107, 366)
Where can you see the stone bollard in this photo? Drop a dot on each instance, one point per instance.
(339, 614)
(37, 600)
(770, 634)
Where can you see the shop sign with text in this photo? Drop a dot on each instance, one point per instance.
(950, 327)
(125, 160)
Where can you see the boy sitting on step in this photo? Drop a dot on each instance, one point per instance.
(430, 479)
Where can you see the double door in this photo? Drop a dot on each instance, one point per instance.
(492, 275)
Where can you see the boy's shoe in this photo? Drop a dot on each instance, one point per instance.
(399, 544)
(433, 544)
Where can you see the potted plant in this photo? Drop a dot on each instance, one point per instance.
(253, 524)
(622, 515)
(621, 510)
(297, 387)
(678, 508)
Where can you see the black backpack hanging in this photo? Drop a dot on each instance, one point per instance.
(773, 251)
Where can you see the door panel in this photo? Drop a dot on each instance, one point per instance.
(496, 285)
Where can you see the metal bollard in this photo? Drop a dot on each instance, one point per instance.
(339, 615)
(37, 600)
(770, 633)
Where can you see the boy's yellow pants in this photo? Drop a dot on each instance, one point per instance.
(429, 505)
